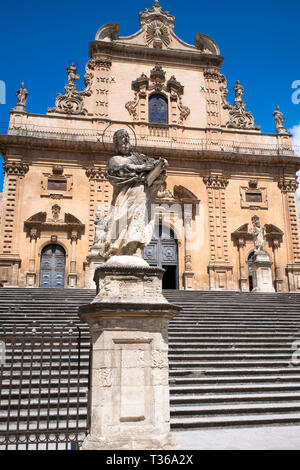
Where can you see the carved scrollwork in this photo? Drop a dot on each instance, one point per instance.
(239, 117)
(143, 86)
(72, 101)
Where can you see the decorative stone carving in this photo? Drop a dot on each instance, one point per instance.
(102, 377)
(224, 91)
(144, 86)
(22, 95)
(279, 120)
(215, 181)
(72, 101)
(136, 180)
(287, 185)
(239, 117)
(258, 233)
(252, 197)
(157, 34)
(157, 15)
(15, 168)
(55, 212)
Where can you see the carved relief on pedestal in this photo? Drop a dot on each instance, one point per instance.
(143, 87)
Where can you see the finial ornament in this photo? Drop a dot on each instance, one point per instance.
(279, 120)
(21, 95)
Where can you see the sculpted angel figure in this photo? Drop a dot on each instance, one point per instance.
(258, 233)
(136, 180)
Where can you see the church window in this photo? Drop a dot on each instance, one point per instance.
(158, 109)
(253, 197)
(57, 185)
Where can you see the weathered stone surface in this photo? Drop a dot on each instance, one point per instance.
(262, 273)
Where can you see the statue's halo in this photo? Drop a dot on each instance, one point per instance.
(108, 133)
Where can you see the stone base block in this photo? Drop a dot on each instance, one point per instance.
(262, 272)
(128, 279)
(129, 383)
(131, 442)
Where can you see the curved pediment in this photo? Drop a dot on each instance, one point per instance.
(184, 194)
(157, 31)
(71, 219)
(39, 217)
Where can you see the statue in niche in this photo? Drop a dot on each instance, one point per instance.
(258, 233)
(22, 95)
(136, 180)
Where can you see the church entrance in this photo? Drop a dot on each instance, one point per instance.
(162, 251)
(53, 261)
(250, 276)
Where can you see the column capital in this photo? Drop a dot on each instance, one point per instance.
(215, 181)
(289, 185)
(15, 168)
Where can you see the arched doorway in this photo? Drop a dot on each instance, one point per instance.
(162, 251)
(250, 276)
(53, 261)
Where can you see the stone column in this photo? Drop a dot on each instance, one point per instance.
(243, 267)
(219, 268)
(31, 274)
(129, 389)
(288, 187)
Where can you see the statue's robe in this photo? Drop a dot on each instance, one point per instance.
(130, 223)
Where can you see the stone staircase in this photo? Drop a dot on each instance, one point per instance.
(230, 360)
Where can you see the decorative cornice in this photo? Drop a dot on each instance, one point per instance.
(15, 168)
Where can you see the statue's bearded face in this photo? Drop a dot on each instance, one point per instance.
(123, 144)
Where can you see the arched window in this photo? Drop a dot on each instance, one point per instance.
(158, 109)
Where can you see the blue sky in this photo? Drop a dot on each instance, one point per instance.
(259, 40)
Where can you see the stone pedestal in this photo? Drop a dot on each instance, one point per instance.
(262, 272)
(129, 391)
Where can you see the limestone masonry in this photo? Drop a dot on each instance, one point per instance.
(170, 96)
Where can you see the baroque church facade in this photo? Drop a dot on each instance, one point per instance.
(171, 97)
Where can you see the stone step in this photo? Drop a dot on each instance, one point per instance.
(235, 398)
(233, 420)
(234, 409)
